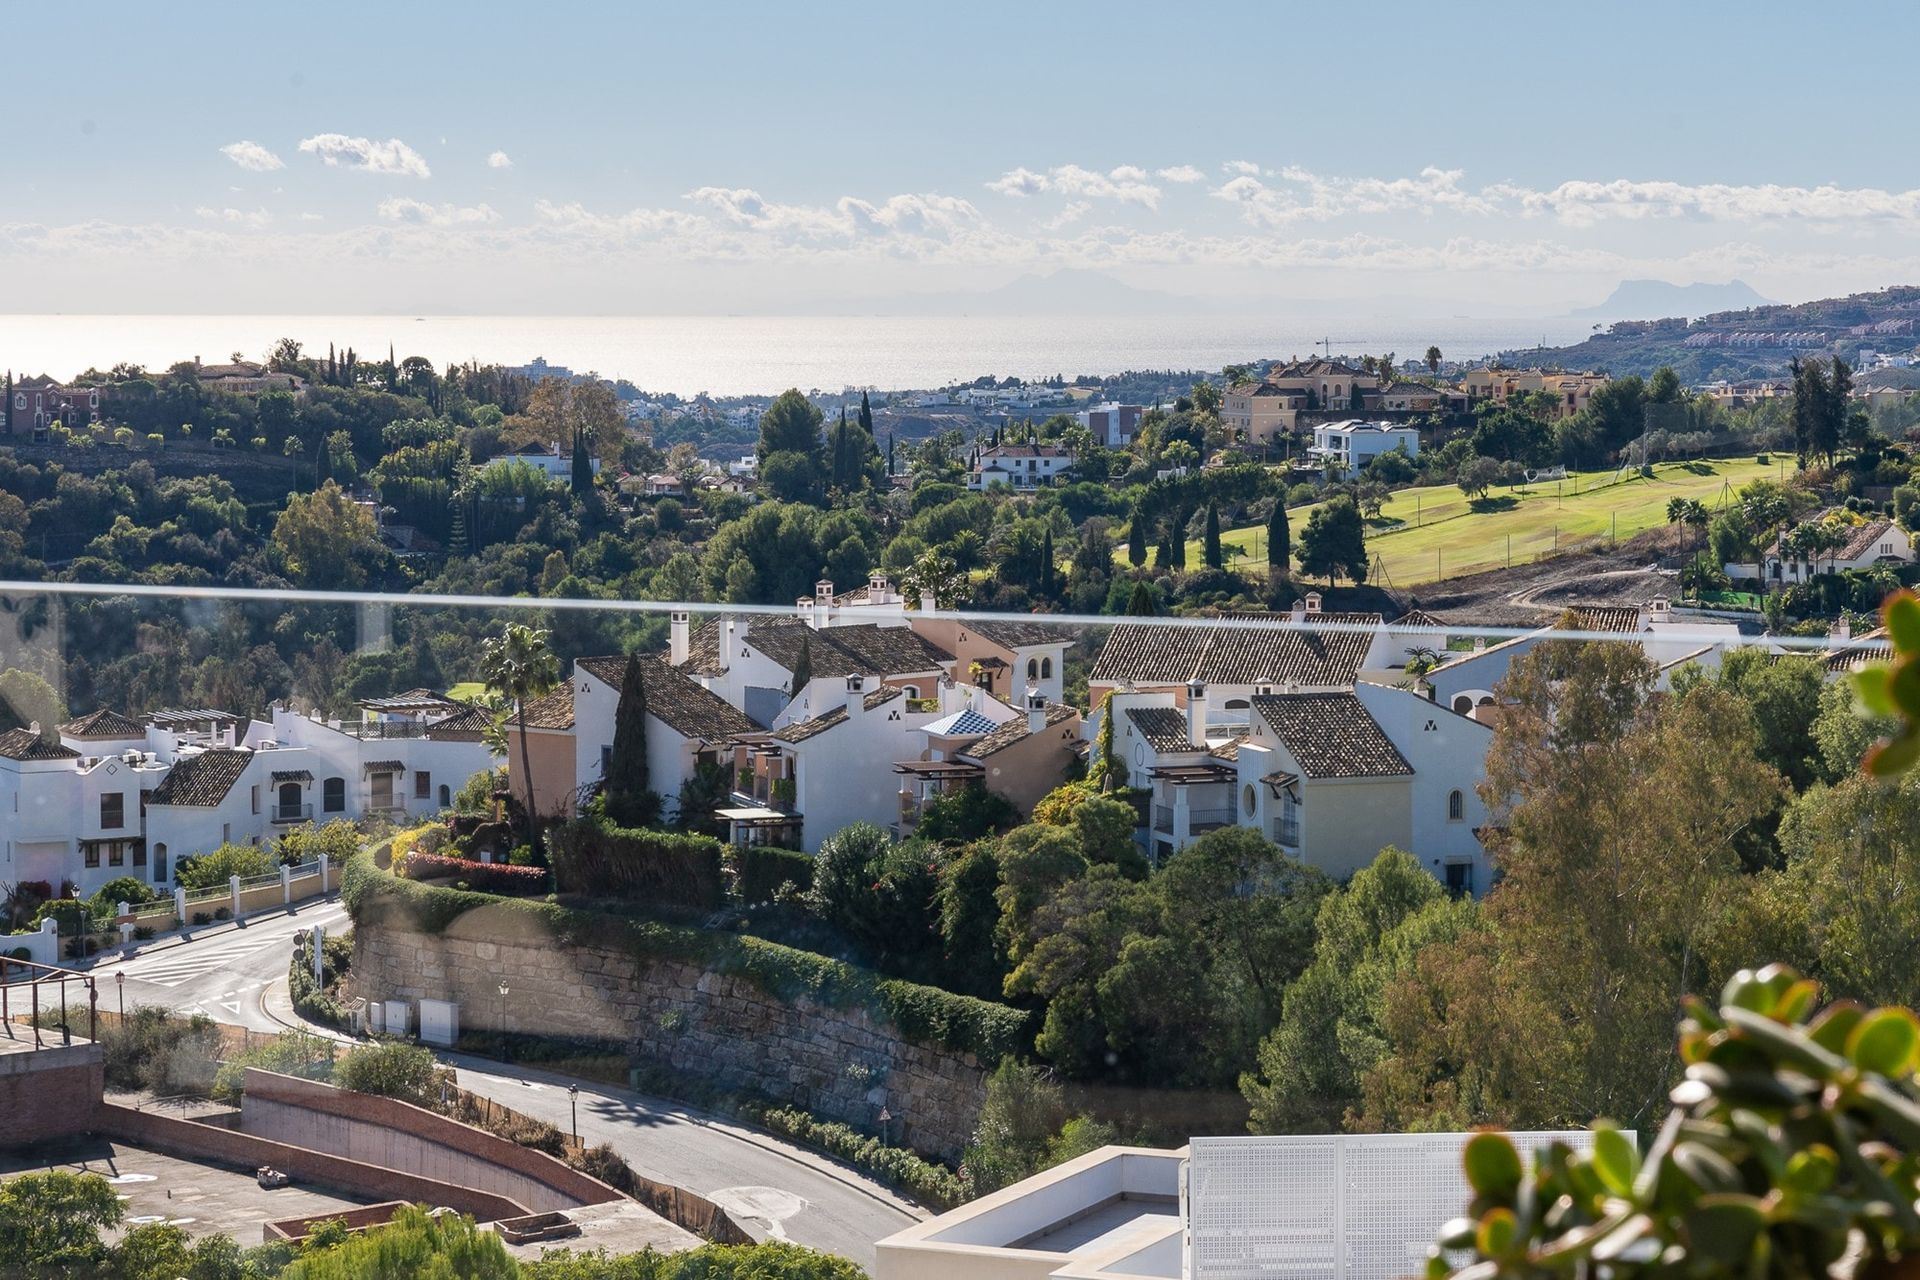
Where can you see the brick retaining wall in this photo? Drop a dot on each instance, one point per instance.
(49, 1093)
(839, 1064)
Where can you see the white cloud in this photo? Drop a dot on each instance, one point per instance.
(313, 217)
(499, 160)
(236, 217)
(420, 213)
(1246, 168)
(1181, 173)
(251, 155)
(1072, 213)
(1126, 183)
(390, 157)
(1302, 196)
(1583, 203)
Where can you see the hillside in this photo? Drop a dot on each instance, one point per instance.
(1634, 298)
(1752, 342)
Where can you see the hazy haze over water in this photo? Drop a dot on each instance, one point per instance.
(756, 355)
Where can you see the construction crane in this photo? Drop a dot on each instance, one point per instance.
(1326, 345)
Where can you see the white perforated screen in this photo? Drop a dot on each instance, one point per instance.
(1337, 1207)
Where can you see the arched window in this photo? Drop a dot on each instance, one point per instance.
(446, 796)
(1046, 668)
(289, 805)
(1456, 805)
(1486, 700)
(160, 863)
(1463, 704)
(1033, 668)
(333, 795)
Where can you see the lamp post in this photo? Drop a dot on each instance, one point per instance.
(120, 983)
(503, 1019)
(573, 1098)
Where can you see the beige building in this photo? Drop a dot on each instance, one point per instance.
(1571, 391)
(1259, 411)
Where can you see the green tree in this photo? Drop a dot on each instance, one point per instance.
(1205, 397)
(519, 666)
(1211, 553)
(1335, 541)
(215, 869)
(403, 1071)
(631, 801)
(326, 540)
(580, 476)
(414, 1246)
(1477, 476)
(1143, 603)
(1433, 360)
(1279, 539)
(50, 1223)
(791, 424)
(1137, 538)
(26, 698)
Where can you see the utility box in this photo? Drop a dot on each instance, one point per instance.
(376, 1015)
(440, 1022)
(398, 1017)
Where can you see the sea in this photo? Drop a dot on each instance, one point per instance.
(763, 355)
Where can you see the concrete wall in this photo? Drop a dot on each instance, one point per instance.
(719, 1027)
(49, 1093)
(194, 1141)
(394, 1135)
(1345, 823)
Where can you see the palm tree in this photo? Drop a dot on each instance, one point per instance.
(1433, 360)
(519, 664)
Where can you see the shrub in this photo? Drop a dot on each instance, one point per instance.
(106, 900)
(338, 840)
(898, 1167)
(160, 1051)
(760, 872)
(968, 814)
(213, 870)
(486, 877)
(291, 1053)
(604, 1163)
(593, 857)
(315, 999)
(403, 1071)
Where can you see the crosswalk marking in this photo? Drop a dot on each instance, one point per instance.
(186, 963)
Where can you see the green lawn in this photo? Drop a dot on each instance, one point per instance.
(467, 691)
(1434, 531)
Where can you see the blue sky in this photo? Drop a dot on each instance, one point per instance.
(477, 157)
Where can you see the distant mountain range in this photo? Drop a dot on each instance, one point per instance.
(1655, 299)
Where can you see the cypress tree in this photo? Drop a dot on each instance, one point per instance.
(1279, 539)
(1142, 604)
(866, 415)
(1177, 540)
(1046, 563)
(1137, 539)
(1163, 554)
(1211, 547)
(628, 803)
(582, 479)
(802, 668)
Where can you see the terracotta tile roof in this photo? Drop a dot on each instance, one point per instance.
(674, 698)
(411, 700)
(1331, 735)
(1163, 728)
(25, 744)
(1229, 751)
(1014, 634)
(1854, 656)
(1302, 655)
(1417, 618)
(202, 780)
(1863, 539)
(801, 730)
(554, 711)
(104, 723)
(1015, 730)
(1622, 619)
(466, 725)
(865, 649)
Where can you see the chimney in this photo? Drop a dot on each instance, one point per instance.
(1298, 612)
(1841, 630)
(1036, 711)
(878, 589)
(1313, 602)
(726, 644)
(822, 604)
(677, 638)
(928, 603)
(856, 695)
(1196, 711)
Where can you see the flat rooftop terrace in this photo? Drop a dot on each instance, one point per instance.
(202, 1199)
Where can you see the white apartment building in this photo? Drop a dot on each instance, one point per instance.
(1019, 466)
(1354, 443)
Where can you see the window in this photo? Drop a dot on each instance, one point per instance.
(446, 796)
(139, 853)
(116, 853)
(253, 796)
(1456, 806)
(1248, 801)
(422, 785)
(92, 848)
(606, 760)
(113, 811)
(333, 795)
(1033, 668)
(1046, 668)
(160, 862)
(1463, 704)
(1459, 878)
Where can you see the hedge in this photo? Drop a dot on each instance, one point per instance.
(987, 1030)
(761, 870)
(593, 857)
(487, 877)
(931, 1184)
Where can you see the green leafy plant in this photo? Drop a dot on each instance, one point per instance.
(1892, 688)
(1792, 1149)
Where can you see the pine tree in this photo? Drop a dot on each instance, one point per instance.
(1142, 604)
(1215, 558)
(1279, 539)
(1047, 568)
(628, 802)
(1137, 539)
(866, 415)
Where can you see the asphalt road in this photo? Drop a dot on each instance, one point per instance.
(776, 1190)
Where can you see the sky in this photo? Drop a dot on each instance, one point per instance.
(721, 158)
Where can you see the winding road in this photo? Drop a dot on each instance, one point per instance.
(236, 974)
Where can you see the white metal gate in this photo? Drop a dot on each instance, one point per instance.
(1333, 1207)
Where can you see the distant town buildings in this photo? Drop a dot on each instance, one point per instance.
(1019, 466)
(1113, 425)
(1570, 391)
(1260, 411)
(1353, 443)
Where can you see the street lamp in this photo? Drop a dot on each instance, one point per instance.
(573, 1097)
(503, 1019)
(120, 982)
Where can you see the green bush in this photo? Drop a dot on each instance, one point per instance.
(760, 871)
(967, 814)
(213, 870)
(162, 1052)
(314, 1000)
(934, 1185)
(591, 856)
(989, 1031)
(773, 1260)
(106, 900)
(403, 1071)
(291, 1053)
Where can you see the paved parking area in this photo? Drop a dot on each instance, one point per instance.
(205, 1199)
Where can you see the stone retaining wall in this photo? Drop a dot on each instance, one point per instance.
(839, 1064)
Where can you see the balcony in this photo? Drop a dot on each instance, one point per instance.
(292, 813)
(1163, 818)
(1199, 820)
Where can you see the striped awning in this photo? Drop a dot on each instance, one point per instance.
(292, 775)
(384, 766)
